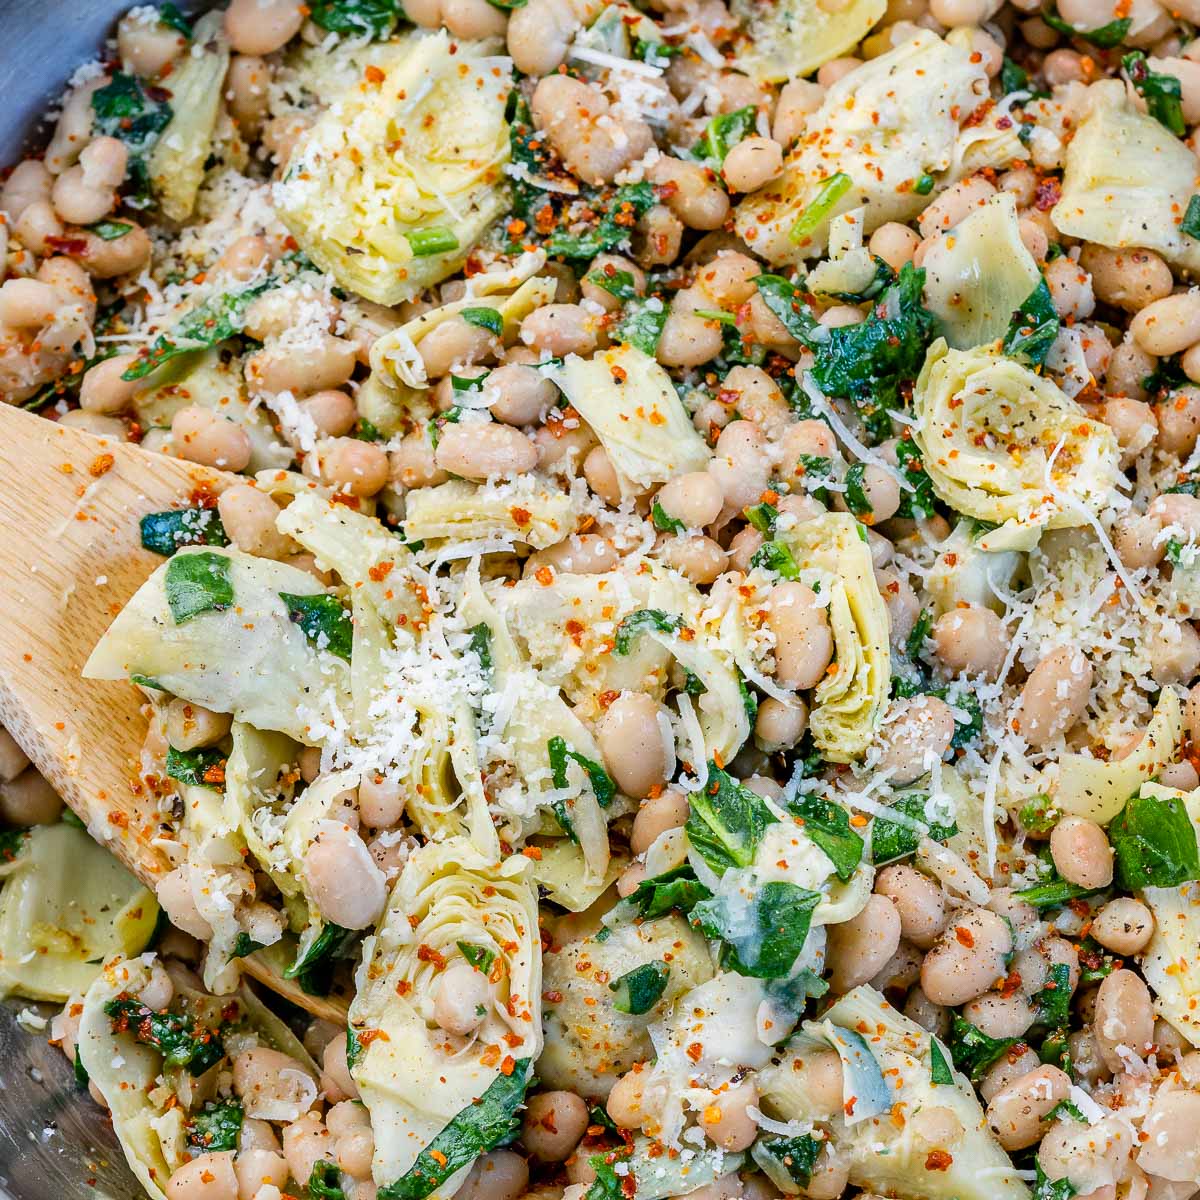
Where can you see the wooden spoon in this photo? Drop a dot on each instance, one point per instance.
(70, 557)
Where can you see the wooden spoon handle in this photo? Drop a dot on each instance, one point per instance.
(70, 558)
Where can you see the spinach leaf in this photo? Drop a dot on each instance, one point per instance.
(598, 777)
(972, 1050)
(786, 300)
(82, 1077)
(1053, 893)
(179, 1038)
(920, 502)
(325, 1181)
(915, 642)
(763, 517)
(1106, 36)
(857, 500)
(324, 620)
(641, 325)
(965, 732)
(1066, 1110)
(776, 557)
(890, 840)
(109, 231)
(479, 1127)
(164, 532)
(1044, 1188)
(940, 1073)
(614, 282)
(244, 945)
(828, 825)
(636, 623)
(480, 957)
(313, 967)
(1191, 218)
(12, 841)
(485, 318)
(170, 16)
(354, 1046)
(607, 1184)
(1163, 93)
(821, 205)
(867, 363)
(216, 320)
(663, 521)
(481, 646)
(1053, 1002)
(797, 1156)
(374, 18)
(216, 1127)
(125, 110)
(1038, 815)
(639, 990)
(198, 583)
(1012, 77)
(763, 933)
(1033, 327)
(1155, 843)
(677, 889)
(612, 231)
(727, 821)
(202, 767)
(723, 133)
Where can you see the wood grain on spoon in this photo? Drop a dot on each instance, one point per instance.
(70, 557)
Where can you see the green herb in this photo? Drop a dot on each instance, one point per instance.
(828, 825)
(435, 240)
(109, 231)
(1094, 964)
(202, 767)
(1163, 93)
(170, 16)
(11, 843)
(485, 318)
(882, 278)
(481, 646)
(480, 957)
(940, 1072)
(637, 623)
(797, 1156)
(763, 934)
(920, 633)
(325, 1181)
(1174, 551)
(1012, 77)
(313, 967)
(693, 685)
(924, 184)
(972, 1050)
(365, 431)
(675, 889)
(612, 231)
(820, 207)
(164, 532)
(70, 818)
(244, 945)
(749, 699)
(1055, 1051)
(602, 785)
(488, 1122)
(324, 620)
(763, 517)
(1033, 327)
(198, 583)
(857, 500)
(374, 18)
(216, 1127)
(890, 840)
(1106, 36)
(614, 282)
(1039, 815)
(216, 320)
(715, 314)
(920, 502)
(82, 1078)
(965, 732)
(776, 557)
(598, 1115)
(179, 1038)
(664, 521)
(607, 1184)
(1066, 1109)
(123, 109)
(1044, 1188)
(1053, 1002)
(641, 325)
(727, 821)
(786, 300)
(639, 990)
(1155, 843)
(1191, 219)
(724, 132)
(508, 5)
(867, 363)
(1053, 894)
(354, 1047)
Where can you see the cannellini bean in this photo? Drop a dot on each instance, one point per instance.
(1124, 1018)
(859, 948)
(206, 1177)
(305, 1142)
(497, 1175)
(1124, 926)
(658, 814)
(803, 639)
(1054, 697)
(918, 736)
(727, 1120)
(262, 27)
(249, 517)
(554, 1123)
(779, 726)
(967, 959)
(971, 640)
(477, 451)
(202, 436)
(918, 900)
(1081, 852)
(631, 739)
(13, 760)
(191, 725)
(347, 886)
(1015, 1114)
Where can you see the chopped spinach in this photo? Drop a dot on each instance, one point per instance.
(82, 1078)
(372, 18)
(724, 132)
(602, 784)
(1038, 815)
(1033, 327)
(639, 990)
(1191, 219)
(244, 945)
(481, 646)
(202, 767)
(164, 532)
(940, 1072)
(1045, 1188)
(919, 633)
(484, 318)
(216, 1127)
(479, 1127)
(636, 623)
(179, 1038)
(1053, 893)
(324, 621)
(776, 557)
(972, 1050)
(198, 583)
(313, 966)
(797, 1156)
(785, 300)
(920, 502)
(763, 517)
(857, 500)
(641, 325)
(828, 825)
(109, 231)
(891, 841)
(325, 1181)
(676, 889)
(126, 110)
(612, 231)
(1155, 843)
(12, 841)
(480, 957)
(764, 934)
(663, 521)
(1053, 1002)
(727, 821)
(616, 283)
(1163, 93)
(1106, 36)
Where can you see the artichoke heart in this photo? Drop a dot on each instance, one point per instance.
(1001, 443)
(787, 39)
(418, 144)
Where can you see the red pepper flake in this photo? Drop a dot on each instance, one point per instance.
(938, 1160)
(380, 571)
(507, 1066)
(964, 936)
(521, 516)
(429, 954)
(373, 75)
(695, 1051)
(1047, 194)
(101, 465)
